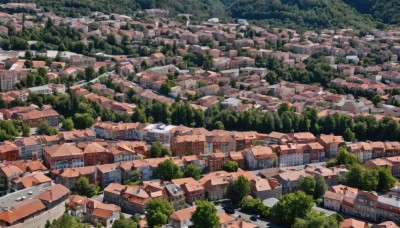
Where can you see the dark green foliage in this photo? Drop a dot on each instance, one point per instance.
(158, 212)
(238, 189)
(292, 206)
(122, 222)
(158, 150)
(230, 166)
(84, 188)
(386, 181)
(67, 221)
(192, 171)
(45, 129)
(298, 13)
(386, 10)
(316, 219)
(168, 170)
(205, 215)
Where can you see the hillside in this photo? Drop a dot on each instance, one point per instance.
(300, 13)
(287, 13)
(385, 10)
(202, 9)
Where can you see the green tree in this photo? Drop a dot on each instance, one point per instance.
(84, 188)
(192, 171)
(317, 220)
(139, 116)
(68, 124)
(292, 206)
(90, 73)
(376, 100)
(122, 222)
(67, 221)
(158, 212)
(205, 215)
(386, 181)
(320, 187)
(45, 129)
(28, 55)
(349, 135)
(165, 88)
(230, 166)
(168, 170)
(238, 189)
(83, 121)
(343, 157)
(158, 150)
(364, 179)
(307, 185)
(135, 177)
(26, 130)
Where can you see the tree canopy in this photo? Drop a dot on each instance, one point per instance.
(158, 212)
(168, 170)
(292, 206)
(205, 215)
(238, 189)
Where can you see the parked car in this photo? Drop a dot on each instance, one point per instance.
(230, 210)
(254, 217)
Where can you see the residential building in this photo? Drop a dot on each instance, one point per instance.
(260, 157)
(63, 156)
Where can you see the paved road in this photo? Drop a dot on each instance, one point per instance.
(261, 223)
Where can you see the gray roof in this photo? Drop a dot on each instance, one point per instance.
(174, 189)
(393, 201)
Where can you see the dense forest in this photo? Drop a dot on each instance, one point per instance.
(290, 13)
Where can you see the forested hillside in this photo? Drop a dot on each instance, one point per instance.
(287, 13)
(386, 10)
(300, 13)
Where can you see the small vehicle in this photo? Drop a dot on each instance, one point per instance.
(230, 210)
(254, 217)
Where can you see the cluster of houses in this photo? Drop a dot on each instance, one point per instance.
(366, 205)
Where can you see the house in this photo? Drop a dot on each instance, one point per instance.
(239, 224)
(289, 179)
(69, 176)
(86, 135)
(7, 173)
(21, 212)
(35, 118)
(63, 156)
(265, 188)
(101, 213)
(353, 223)
(316, 152)
(127, 151)
(330, 144)
(193, 189)
(54, 196)
(333, 201)
(30, 180)
(215, 161)
(176, 196)
(9, 151)
(181, 218)
(131, 199)
(220, 142)
(108, 173)
(259, 157)
(95, 154)
(183, 145)
(238, 158)
(291, 155)
(30, 147)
